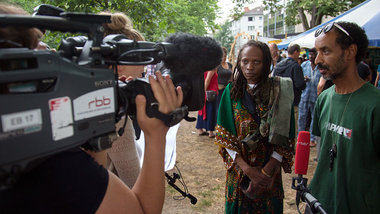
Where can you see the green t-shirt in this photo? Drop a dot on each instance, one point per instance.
(352, 122)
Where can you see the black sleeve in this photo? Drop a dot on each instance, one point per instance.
(298, 77)
(70, 182)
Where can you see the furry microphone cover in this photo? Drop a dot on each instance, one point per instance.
(194, 54)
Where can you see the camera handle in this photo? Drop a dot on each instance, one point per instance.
(304, 194)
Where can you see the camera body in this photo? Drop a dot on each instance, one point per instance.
(50, 104)
(55, 101)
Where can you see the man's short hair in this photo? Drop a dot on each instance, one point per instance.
(358, 36)
(294, 48)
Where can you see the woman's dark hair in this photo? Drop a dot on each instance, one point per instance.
(24, 36)
(239, 83)
(358, 37)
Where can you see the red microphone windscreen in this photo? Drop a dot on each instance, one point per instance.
(302, 153)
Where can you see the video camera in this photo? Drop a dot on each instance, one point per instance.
(54, 101)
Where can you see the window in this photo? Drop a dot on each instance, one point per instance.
(250, 28)
(260, 18)
(250, 18)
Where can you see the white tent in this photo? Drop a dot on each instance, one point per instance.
(362, 14)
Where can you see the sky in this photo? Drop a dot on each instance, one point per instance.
(227, 5)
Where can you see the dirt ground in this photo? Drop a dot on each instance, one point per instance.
(203, 172)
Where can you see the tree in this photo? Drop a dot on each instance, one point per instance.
(196, 16)
(296, 10)
(154, 19)
(224, 37)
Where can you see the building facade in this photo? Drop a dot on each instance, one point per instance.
(248, 26)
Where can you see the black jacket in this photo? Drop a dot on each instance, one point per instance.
(290, 68)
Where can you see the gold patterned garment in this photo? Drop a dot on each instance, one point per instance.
(234, 124)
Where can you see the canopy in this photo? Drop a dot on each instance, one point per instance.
(366, 15)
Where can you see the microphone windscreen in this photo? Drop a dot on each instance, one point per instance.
(302, 153)
(193, 53)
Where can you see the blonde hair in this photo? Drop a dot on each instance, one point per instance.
(121, 24)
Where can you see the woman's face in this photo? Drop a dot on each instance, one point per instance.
(252, 64)
(130, 70)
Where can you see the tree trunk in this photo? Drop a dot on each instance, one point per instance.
(319, 19)
(313, 16)
(302, 15)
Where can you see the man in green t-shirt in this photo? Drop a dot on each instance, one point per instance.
(347, 117)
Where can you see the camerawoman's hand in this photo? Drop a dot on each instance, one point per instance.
(150, 185)
(169, 98)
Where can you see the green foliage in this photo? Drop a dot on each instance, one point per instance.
(296, 10)
(154, 19)
(224, 37)
(196, 16)
(28, 5)
(316, 8)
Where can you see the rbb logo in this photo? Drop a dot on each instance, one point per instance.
(99, 102)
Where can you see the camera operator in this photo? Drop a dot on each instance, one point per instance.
(71, 181)
(122, 158)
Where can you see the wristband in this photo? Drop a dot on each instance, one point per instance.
(266, 174)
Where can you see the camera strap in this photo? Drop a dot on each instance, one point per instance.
(169, 119)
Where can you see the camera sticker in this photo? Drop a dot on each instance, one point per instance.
(95, 103)
(61, 117)
(24, 122)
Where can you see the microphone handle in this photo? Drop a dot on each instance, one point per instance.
(193, 199)
(313, 203)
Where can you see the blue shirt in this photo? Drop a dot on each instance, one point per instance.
(309, 94)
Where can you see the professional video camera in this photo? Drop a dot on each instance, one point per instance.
(54, 101)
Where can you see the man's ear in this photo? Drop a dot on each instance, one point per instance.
(352, 51)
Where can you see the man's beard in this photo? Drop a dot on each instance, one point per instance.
(335, 71)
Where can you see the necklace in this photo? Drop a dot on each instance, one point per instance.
(333, 150)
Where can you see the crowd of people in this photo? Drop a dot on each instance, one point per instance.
(254, 109)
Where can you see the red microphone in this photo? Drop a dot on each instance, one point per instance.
(300, 167)
(302, 153)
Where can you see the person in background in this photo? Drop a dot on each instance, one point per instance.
(323, 84)
(368, 61)
(206, 119)
(71, 181)
(347, 118)
(224, 76)
(300, 60)
(276, 57)
(122, 158)
(377, 81)
(290, 68)
(364, 71)
(122, 24)
(309, 94)
(255, 133)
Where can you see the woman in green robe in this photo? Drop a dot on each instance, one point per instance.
(255, 133)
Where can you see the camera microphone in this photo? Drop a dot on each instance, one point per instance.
(193, 54)
(188, 57)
